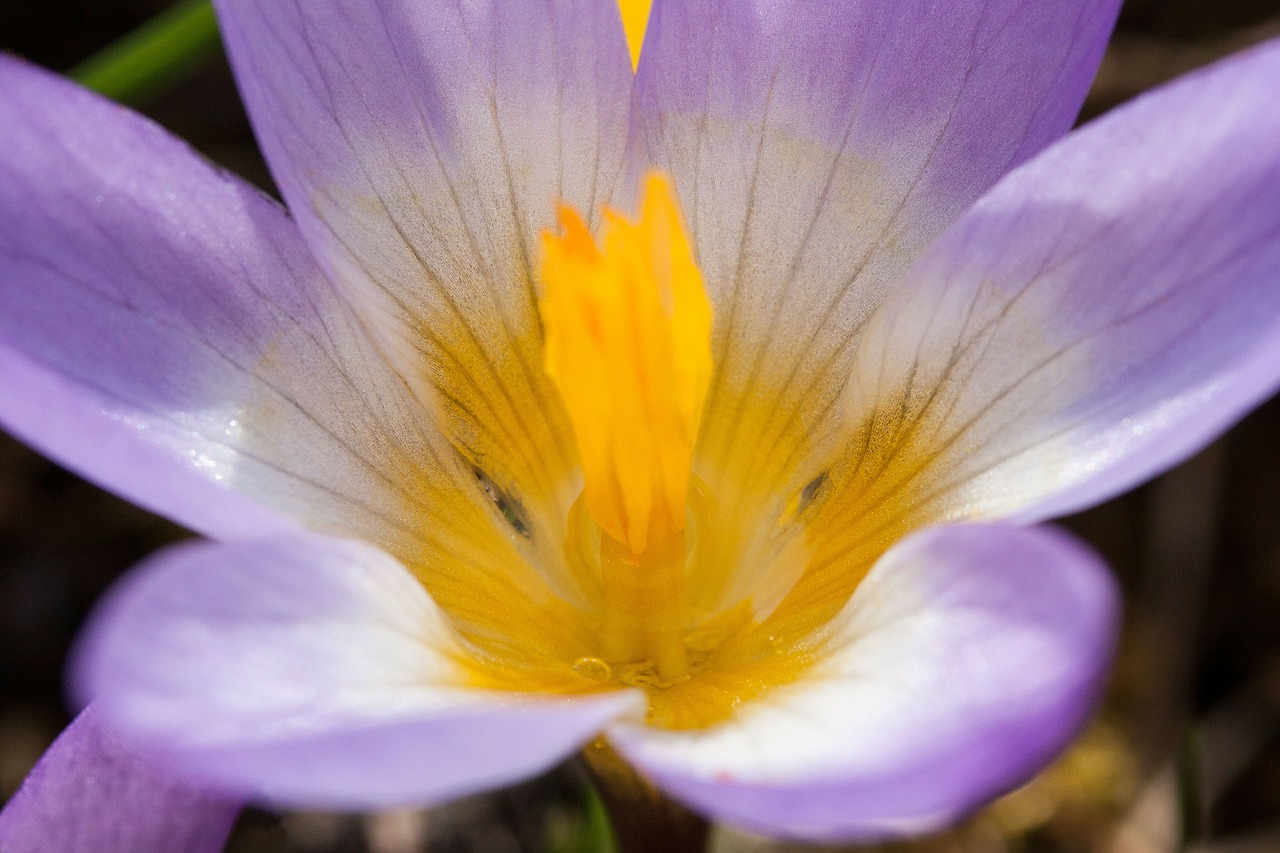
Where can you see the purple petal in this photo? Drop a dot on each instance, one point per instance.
(1101, 315)
(966, 659)
(315, 672)
(91, 792)
(164, 331)
(818, 147)
(423, 145)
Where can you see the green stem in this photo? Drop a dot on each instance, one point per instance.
(151, 58)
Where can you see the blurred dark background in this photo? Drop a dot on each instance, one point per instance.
(1184, 755)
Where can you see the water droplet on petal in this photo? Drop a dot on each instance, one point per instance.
(594, 668)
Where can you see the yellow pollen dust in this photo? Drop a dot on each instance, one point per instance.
(628, 345)
(635, 18)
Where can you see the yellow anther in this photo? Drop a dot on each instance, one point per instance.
(628, 344)
(635, 17)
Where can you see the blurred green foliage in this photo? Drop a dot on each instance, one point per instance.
(153, 57)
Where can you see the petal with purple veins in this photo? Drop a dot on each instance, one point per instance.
(422, 147)
(165, 332)
(1102, 314)
(818, 147)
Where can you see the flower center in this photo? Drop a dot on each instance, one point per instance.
(681, 566)
(628, 345)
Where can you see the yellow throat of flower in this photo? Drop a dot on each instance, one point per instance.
(628, 345)
(676, 570)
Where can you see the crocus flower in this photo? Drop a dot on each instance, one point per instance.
(704, 407)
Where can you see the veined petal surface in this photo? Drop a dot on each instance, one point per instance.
(818, 146)
(314, 672)
(164, 331)
(966, 659)
(1102, 314)
(90, 791)
(423, 145)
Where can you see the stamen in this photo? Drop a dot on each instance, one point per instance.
(628, 345)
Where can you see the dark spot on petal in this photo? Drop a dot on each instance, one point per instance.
(810, 492)
(510, 508)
